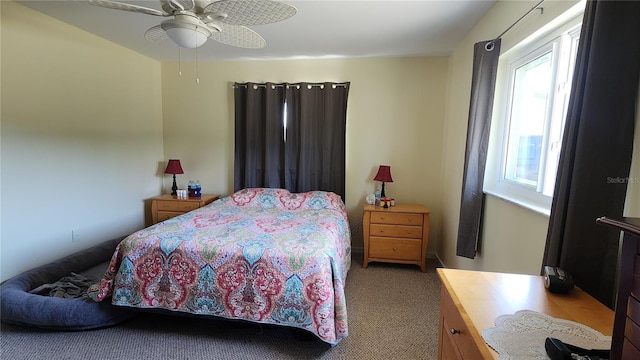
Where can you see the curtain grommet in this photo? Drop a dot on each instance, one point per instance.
(490, 46)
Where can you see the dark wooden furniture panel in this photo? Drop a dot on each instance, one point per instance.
(625, 341)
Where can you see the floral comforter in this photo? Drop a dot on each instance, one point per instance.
(262, 255)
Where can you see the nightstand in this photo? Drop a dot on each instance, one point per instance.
(398, 234)
(166, 206)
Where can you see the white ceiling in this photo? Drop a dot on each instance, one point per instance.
(320, 29)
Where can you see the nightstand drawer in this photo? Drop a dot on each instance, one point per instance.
(402, 231)
(164, 215)
(166, 206)
(394, 248)
(177, 205)
(381, 217)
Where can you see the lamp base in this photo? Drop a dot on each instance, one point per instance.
(174, 188)
(384, 197)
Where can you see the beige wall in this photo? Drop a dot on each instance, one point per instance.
(632, 204)
(1, 278)
(81, 138)
(395, 116)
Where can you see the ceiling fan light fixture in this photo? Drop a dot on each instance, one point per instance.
(186, 30)
(188, 37)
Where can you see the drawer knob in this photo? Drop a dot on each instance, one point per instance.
(454, 331)
(394, 249)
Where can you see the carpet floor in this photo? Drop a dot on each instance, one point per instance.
(392, 312)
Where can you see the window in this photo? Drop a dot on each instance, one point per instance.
(532, 95)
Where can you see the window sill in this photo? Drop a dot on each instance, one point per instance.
(519, 202)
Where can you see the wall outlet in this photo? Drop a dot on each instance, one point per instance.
(75, 235)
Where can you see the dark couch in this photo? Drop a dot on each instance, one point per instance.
(18, 306)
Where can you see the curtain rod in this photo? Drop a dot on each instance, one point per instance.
(309, 85)
(522, 17)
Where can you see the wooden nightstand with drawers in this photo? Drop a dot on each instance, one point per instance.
(398, 234)
(166, 206)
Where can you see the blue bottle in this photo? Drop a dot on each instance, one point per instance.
(198, 189)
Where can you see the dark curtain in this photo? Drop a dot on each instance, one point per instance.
(311, 156)
(596, 148)
(316, 137)
(483, 83)
(259, 136)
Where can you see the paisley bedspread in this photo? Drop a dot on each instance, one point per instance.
(262, 255)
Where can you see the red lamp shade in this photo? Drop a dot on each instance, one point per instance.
(384, 174)
(173, 167)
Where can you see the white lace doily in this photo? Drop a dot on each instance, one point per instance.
(522, 335)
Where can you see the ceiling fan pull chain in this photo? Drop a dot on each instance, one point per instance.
(195, 34)
(179, 62)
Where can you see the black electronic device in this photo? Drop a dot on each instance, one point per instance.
(557, 280)
(558, 350)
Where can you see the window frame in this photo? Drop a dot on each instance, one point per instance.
(562, 42)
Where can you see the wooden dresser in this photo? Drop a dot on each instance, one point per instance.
(166, 206)
(625, 343)
(470, 302)
(398, 234)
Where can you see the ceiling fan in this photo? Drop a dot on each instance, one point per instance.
(195, 21)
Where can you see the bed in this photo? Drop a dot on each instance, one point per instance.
(261, 255)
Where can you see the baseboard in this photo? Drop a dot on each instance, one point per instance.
(360, 250)
(435, 256)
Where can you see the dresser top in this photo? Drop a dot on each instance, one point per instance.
(204, 197)
(399, 208)
(628, 225)
(483, 296)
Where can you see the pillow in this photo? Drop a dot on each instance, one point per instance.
(283, 199)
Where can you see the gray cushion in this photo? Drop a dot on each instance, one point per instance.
(18, 306)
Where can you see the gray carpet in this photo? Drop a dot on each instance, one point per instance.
(392, 312)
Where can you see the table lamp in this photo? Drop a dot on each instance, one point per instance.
(384, 175)
(173, 167)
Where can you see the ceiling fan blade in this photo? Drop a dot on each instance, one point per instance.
(123, 6)
(177, 5)
(249, 12)
(238, 36)
(156, 33)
